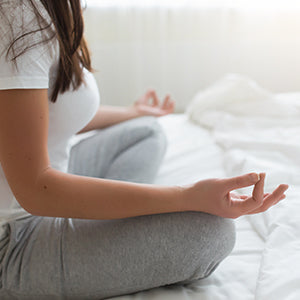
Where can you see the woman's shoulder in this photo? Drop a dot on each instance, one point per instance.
(27, 52)
(19, 13)
(22, 21)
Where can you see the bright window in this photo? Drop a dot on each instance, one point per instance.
(270, 4)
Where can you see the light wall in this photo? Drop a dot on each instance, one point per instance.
(182, 48)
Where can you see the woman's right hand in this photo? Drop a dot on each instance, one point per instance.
(215, 196)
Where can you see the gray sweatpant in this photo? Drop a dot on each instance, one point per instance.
(59, 258)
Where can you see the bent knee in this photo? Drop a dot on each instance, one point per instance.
(225, 236)
(212, 243)
(157, 134)
(147, 127)
(221, 238)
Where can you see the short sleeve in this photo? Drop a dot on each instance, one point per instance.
(31, 69)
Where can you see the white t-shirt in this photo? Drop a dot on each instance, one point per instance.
(37, 69)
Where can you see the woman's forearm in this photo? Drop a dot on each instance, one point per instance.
(110, 115)
(60, 194)
(146, 105)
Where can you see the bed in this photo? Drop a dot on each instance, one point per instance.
(231, 128)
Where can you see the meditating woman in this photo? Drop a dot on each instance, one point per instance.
(86, 222)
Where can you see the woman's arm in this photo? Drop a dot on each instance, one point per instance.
(147, 105)
(109, 115)
(44, 191)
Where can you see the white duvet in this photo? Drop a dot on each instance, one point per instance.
(231, 128)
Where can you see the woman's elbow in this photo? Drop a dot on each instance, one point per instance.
(33, 198)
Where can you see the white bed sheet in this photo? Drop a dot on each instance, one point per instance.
(240, 128)
(193, 155)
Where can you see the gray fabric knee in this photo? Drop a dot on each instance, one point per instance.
(147, 126)
(155, 131)
(131, 151)
(221, 241)
(140, 160)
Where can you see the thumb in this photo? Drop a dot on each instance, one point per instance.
(241, 181)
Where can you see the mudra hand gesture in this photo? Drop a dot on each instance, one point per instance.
(217, 197)
(149, 104)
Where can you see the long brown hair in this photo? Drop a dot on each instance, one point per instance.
(66, 16)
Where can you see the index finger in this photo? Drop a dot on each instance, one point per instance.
(241, 181)
(258, 191)
(154, 97)
(254, 202)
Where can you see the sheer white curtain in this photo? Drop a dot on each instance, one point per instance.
(181, 46)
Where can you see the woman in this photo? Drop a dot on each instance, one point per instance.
(83, 231)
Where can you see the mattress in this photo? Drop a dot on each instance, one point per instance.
(265, 262)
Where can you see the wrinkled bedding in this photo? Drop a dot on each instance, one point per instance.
(233, 127)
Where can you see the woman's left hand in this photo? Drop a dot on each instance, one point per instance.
(216, 196)
(150, 105)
